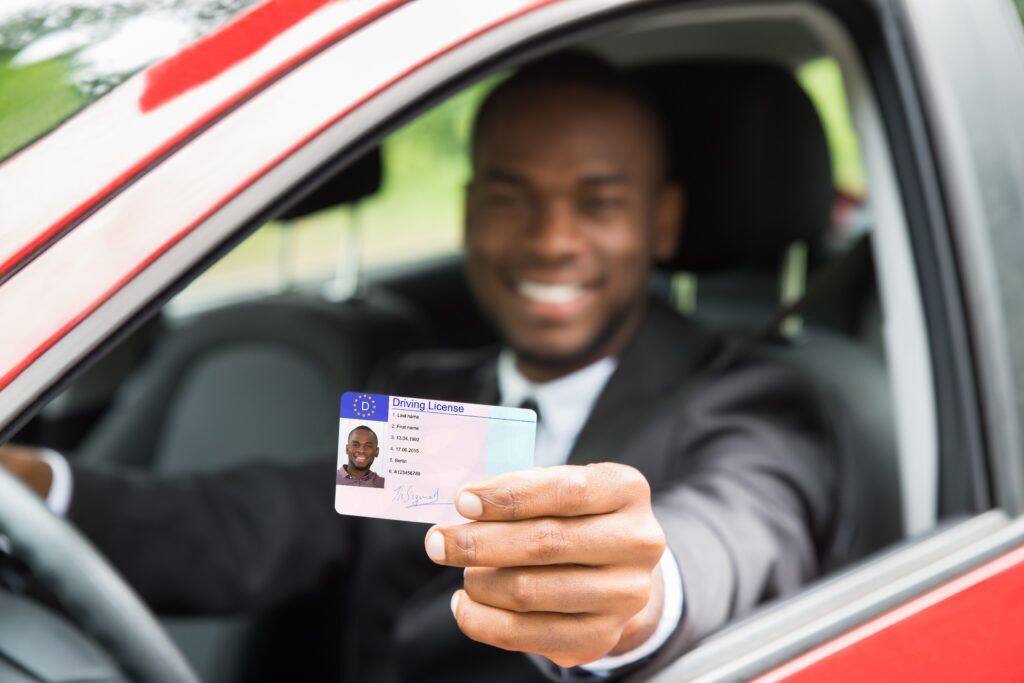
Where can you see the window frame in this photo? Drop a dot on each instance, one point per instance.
(978, 189)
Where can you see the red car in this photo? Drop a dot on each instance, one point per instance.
(909, 310)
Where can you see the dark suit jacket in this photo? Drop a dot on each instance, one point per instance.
(739, 461)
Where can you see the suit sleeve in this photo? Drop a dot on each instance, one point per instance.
(242, 539)
(752, 507)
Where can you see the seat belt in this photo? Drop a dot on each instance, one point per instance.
(840, 273)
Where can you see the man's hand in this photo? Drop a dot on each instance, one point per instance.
(25, 464)
(563, 562)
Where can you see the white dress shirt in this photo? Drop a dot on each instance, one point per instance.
(564, 405)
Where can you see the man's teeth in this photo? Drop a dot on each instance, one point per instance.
(548, 293)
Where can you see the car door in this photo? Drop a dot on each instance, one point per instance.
(167, 172)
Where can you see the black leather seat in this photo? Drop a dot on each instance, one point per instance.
(255, 380)
(751, 152)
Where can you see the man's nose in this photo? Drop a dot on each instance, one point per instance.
(556, 231)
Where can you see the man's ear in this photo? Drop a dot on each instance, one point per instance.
(668, 221)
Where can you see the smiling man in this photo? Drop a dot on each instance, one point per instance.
(361, 449)
(569, 206)
(669, 500)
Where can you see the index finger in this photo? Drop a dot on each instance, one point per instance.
(562, 491)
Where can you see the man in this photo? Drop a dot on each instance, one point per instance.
(569, 206)
(361, 449)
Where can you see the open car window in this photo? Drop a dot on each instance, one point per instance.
(309, 268)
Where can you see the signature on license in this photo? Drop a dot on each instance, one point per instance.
(408, 495)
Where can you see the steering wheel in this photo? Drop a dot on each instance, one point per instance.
(88, 587)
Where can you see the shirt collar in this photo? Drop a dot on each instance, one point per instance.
(564, 403)
(368, 475)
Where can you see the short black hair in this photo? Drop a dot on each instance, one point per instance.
(573, 68)
(356, 429)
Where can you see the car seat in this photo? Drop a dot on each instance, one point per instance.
(750, 150)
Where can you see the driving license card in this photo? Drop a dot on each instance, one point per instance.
(405, 458)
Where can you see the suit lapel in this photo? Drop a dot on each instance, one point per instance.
(666, 351)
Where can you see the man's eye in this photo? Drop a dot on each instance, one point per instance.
(506, 200)
(598, 205)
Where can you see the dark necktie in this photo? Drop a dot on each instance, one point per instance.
(532, 405)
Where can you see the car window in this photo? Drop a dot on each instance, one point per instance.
(57, 56)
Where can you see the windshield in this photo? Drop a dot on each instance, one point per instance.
(57, 56)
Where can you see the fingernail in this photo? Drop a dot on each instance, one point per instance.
(470, 505)
(455, 603)
(435, 546)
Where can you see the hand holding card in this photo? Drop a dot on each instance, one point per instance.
(563, 561)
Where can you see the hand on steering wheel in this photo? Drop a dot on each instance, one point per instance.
(88, 587)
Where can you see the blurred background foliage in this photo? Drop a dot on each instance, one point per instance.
(823, 81)
(33, 99)
(56, 56)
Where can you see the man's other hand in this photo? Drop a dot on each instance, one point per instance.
(563, 562)
(25, 463)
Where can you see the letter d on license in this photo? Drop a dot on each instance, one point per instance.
(364, 406)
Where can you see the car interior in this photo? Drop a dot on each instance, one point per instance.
(763, 257)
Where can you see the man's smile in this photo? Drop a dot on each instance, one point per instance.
(553, 300)
(550, 293)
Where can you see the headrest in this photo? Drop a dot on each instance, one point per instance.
(355, 181)
(750, 150)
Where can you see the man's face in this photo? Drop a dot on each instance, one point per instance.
(566, 211)
(361, 449)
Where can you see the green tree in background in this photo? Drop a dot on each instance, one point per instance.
(823, 81)
(33, 99)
